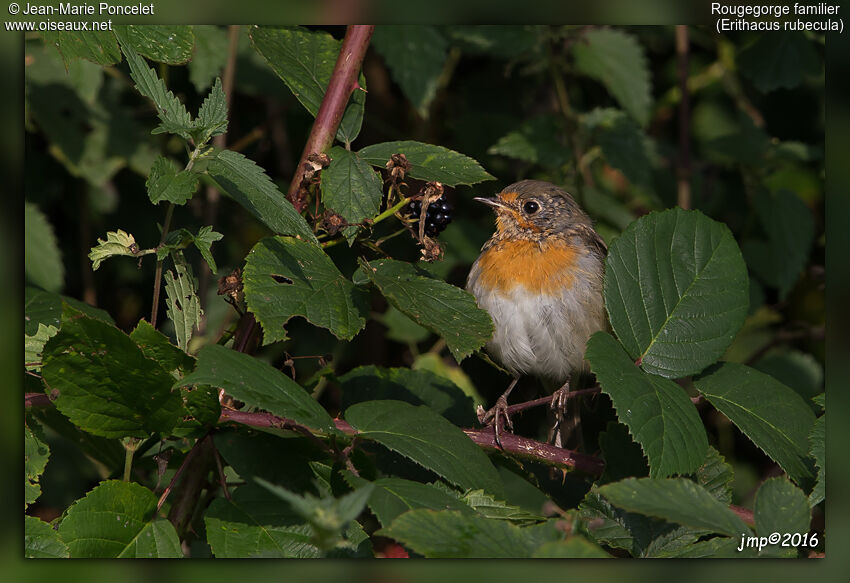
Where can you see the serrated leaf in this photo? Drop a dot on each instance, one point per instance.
(172, 113)
(156, 346)
(536, 140)
(350, 187)
(106, 384)
(442, 308)
(781, 507)
(676, 500)
(393, 497)
(657, 411)
(166, 183)
(305, 61)
(720, 547)
(42, 258)
(249, 185)
(452, 534)
(116, 243)
(203, 241)
(776, 61)
(34, 345)
(257, 385)
(428, 439)
(623, 456)
(428, 162)
(169, 44)
(799, 370)
(676, 291)
(789, 225)
(817, 449)
(617, 59)
(415, 55)
(369, 383)
(773, 416)
(41, 307)
(212, 116)
(93, 45)
(486, 505)
(118, 519)
(182, 301)
(256, 523)
(36, 454)
(716, 476)
(41, 541)
(210, 55)
(285, 277)
(624, 144)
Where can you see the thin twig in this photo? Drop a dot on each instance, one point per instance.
(221, 477)
(189, 456)
(684, 169)
(547, 400)
(343, 82)
(157, 279)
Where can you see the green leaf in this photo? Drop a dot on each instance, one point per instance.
(773, 416)
(415, 55)
(36, 454)
(42, 258)
(575, 547)
(617, 60)
(41, 307)
(451, 534)
(116, 243)
(799, 370)
(256, 523)
(118, 519)
(34, 345)
(166, 183)
(499, 40)
(203, 241)
(257, 385)
(442, 308)
(676, 291)
(174, 119)
(169, 44)
(41, 541)
(393, 497)
(182, 301)
(790, 228)
(623, 457)
(211, 45)
(716, 476)
(94, 45)
(428, 439)
(212, 116)
(624, 144)
(781, 507)
(428, 162)
(720, 547)
(657, 411)
(817, 441)
(776, 61)
(676, 500)
(155, 345)
(106, 384)
(537, 140)
(305, 61)
(285, 277)
(486, 505)
(249, 185)
(402, 329)
(350, 186)
(420, 387)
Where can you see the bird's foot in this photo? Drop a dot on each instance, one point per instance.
(497, 417)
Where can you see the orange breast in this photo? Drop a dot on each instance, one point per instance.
(545, 269)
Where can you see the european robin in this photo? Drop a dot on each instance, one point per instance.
(540, 278)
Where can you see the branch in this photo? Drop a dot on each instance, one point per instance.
(343, 82)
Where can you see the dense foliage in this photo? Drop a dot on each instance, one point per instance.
(319, 401)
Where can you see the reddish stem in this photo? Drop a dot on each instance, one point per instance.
(343, 82)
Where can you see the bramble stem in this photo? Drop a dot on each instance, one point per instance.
(157, 278)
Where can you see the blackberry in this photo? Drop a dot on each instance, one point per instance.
(437, 218)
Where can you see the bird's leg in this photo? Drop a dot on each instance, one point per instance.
(492, 417)
(558, 405)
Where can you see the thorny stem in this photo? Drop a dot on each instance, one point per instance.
(342, 84)
(157, 279)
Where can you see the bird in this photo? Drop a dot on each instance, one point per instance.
(540, 277)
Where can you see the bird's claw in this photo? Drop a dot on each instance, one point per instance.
(497, 416)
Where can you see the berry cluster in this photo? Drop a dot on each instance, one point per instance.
(437, 218)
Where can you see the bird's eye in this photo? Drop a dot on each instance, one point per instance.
(530, 207)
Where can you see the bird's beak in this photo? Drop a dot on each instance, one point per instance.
(494, 202)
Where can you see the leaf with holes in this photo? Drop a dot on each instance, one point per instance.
(181, 298)
(428, 439)
(657, 411)
(428, 162)
(257, 385)
(248, 184)
(285, 277)
(36, 454)
(34, 345)
(772, 415)
(676, 291)
(118, 520)
(442, 308)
